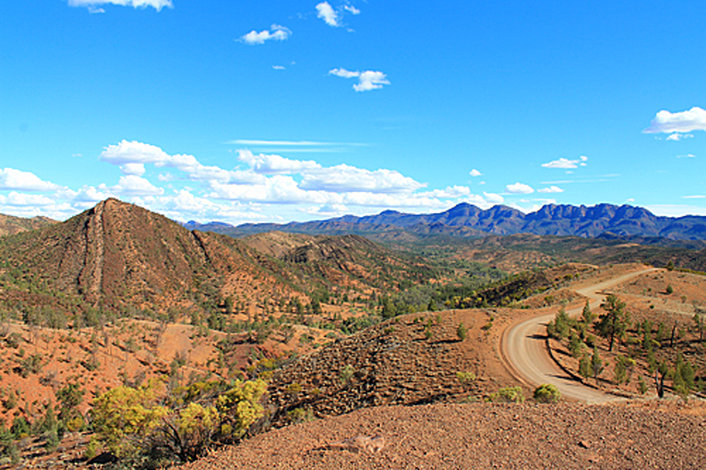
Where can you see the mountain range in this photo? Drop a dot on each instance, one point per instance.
(466, 220)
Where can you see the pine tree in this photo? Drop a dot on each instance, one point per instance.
(614, 323)
(585, 366)
(596, 364)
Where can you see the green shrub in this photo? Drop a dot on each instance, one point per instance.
(346, 373)
(300, 415)
(508, 395)
(461, 332)
(466, 377)
(20, 428)
(147, 424)
(547, 393)
(642, 386)
(8, 447)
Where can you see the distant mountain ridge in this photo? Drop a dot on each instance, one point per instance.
(466, 220)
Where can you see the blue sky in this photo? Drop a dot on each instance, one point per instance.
(296, 110)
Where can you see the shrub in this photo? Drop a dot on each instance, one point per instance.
(8, 448)
(20, 427)
(466, 377)
(300, 415)
(144, 424)
(508, 395)
(547, 393)
(461, 332)
(669, 290)
(31, 365)
(346, 373)
(642, 385)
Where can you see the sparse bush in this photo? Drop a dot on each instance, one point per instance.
(508, 395)
(30, 365)
(91, 449)
(683, 377)
(13, 340)
(466, 377)
(20, 428)
(10, 400)
(346, 374)
(547, 393)
(623, 369)
(461, 332)
(300, 415)
(8, 448)
(427, 332)
(669, 290)
(642, 385)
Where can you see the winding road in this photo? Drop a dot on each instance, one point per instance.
(524, 347)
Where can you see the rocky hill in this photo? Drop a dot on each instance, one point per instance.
(118, 256)
(482, 435)
(466, 220)
(10, 225)
(344, 261)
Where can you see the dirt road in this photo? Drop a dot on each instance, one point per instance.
(524, 347)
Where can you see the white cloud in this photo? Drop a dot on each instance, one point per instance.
(242, 193)
(275, 164)
(11, 178)
(351, 9)
(133, 152)
(565, 163)
(278, 189)
(676, 137)
(132, 185)
(87, 195)
(475, 173)
(279, 67)
(493, 198)
(371, 80)
(343, 73)
(676, 210)
(137, 169)
(451, 192)
(695, 196)
(345, 178)
(92, 5)
(519, 188)
(327, 210)
(29, 200)
(551, 189)
(666, 122)
(688, 155)
(125, 153)
(326, 12)
(275, 33)
(367, 80)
